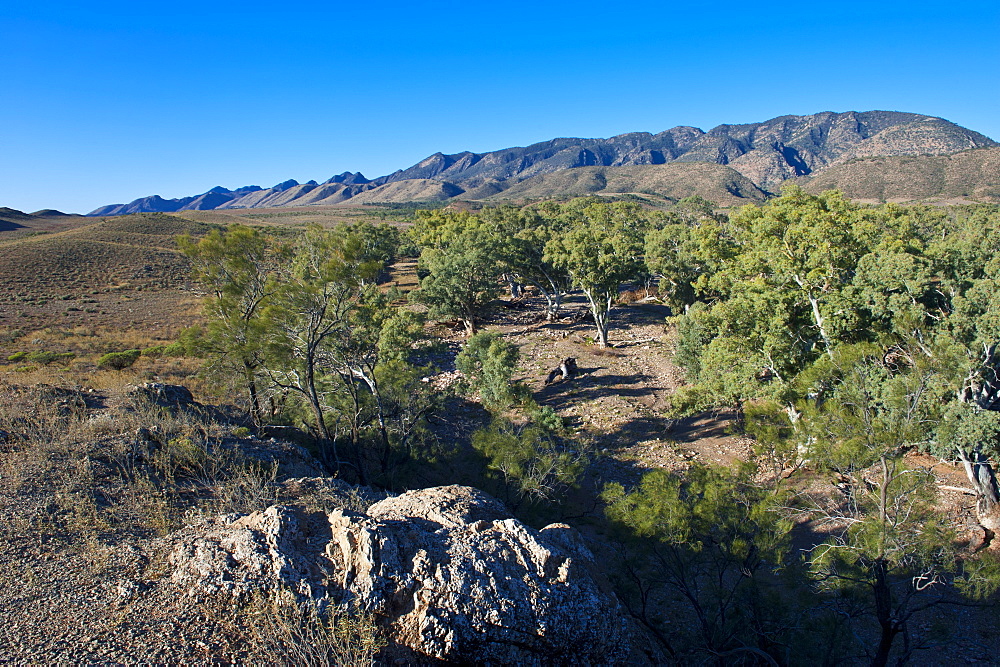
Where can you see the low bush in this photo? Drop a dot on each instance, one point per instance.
(118, 361)
(45, 357)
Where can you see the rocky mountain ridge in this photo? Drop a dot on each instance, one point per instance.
(766, 153)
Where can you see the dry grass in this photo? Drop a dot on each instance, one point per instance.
(306, 632)
(114, 272)
(95, 462)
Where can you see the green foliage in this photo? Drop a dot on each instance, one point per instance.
(488, 362)
(461, 263)
(522, 234)
(44, 357)
(694, 332)
(600, 250)
(191, 343)
(866, 410)
(118, 361)
(709, 508)
(703, 539)
(528, 464)
(17, 356)
(965, 427)
(789, 295)
(235, 265)
(332, 341)
(774, 435)
(546, 418)
(673, 254)
(378, 243)
(891, 550)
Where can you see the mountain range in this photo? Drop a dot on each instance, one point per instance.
(750, 163)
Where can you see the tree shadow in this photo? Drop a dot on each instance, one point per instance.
(641, 313)
(586, 385)
(709, 424)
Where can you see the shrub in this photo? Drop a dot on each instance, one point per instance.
(189, 344)
(118, 360)
(17, 356)
(547, 418)
(488, 362)
(45, 358)
(154, 352)
(529, 463)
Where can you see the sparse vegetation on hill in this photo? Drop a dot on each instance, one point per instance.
(972, 176)
(675, 181)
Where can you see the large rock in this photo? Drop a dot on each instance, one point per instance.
(446, 570)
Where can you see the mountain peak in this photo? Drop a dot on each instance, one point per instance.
(767, 153)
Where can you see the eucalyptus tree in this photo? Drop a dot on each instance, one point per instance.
(889, 549)
(600, 249)
(311, 311)
(791, 282)
(462, 263)
(706, 539)
(522, 234)
(964, 343)
(237, 266)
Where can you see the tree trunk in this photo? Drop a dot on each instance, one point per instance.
(981, 476)
(600, 312)
(553, 300)
(557, 299)
(369, 379)
(515, 287)
(818, 319)
(883, 612)
(255, 410)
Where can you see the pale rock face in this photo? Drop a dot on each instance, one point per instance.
(445, 569)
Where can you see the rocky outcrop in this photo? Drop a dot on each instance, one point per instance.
(445, 570)
(164, 395)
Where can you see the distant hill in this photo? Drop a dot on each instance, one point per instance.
(765, 153)
(92, 272)
(12, 214)
(972, 175)
(17, 222)
(714, 182)
(53, 213)
(214, 198)
(415, 189)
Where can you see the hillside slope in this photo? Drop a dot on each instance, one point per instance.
(93, 273)
(973, 175)
(714, 182)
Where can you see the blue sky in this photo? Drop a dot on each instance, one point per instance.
(105, 102)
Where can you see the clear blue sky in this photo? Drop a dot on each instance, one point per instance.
(105, 102)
